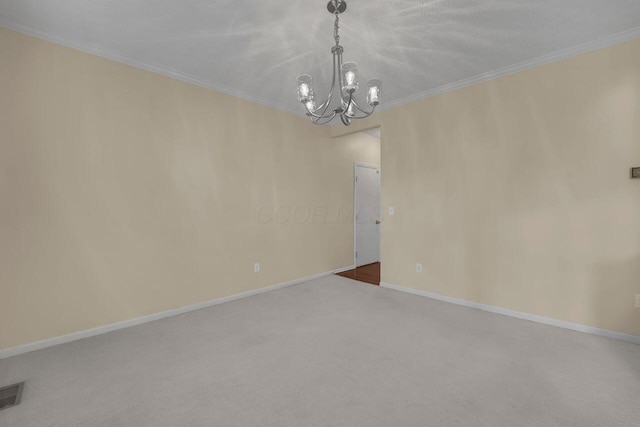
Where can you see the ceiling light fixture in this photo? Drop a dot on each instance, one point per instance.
(347, 80)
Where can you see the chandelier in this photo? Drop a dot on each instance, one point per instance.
(347, 81)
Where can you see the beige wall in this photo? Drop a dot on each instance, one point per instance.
(124, 193)
(516, 192)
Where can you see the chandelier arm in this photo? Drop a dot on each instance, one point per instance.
(346, 120)
(361, 110)
(348, 103)
(338, 70)
(353, 102)
(322, 107)
(365, 114)
(317, 116)
(326, 104)
(331, 117)
(314, 117)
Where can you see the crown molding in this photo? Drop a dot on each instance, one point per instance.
(559, 55)
(177, 75)
(556, 56)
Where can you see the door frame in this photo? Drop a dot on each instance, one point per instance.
(356, 165)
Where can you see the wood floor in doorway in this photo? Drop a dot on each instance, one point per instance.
(369, 273)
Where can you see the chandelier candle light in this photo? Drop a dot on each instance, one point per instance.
(347, 81)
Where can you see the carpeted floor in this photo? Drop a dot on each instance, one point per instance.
(331, 352)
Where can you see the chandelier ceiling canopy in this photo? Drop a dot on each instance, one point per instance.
(344, 85)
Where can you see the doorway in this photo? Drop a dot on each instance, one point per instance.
(367, 214)
(367, 220)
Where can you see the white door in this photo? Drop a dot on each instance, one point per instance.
(367, 214)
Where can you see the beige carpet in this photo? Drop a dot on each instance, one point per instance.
(331, 352)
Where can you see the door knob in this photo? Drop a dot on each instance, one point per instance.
(378, 221)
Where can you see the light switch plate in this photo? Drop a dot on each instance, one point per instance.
(635, 173)
(392, 211)
(256, 267)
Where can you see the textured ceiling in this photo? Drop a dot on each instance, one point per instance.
(254, 49)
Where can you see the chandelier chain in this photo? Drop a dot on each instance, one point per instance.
(336, 27)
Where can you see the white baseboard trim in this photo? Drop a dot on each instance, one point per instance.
(342, 270)
(50, 342)
(635, 339)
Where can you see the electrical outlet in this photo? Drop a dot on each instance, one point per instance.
(637, 300)
(392, 210)
(256, 267)
(418, 268)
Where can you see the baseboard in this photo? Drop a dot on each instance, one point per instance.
(342, 270)
(519, 315)
(50, 342)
